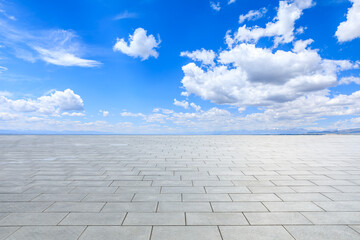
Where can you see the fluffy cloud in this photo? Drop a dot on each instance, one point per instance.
(281, 28)
(183, 104)
(348, 80)
(249, 75)
(231, 1)
(252, 15)
(196, 107)
(350, 29)
(53, 104)
(140, 45)
(204, 56)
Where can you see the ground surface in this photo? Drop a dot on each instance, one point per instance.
(180, 187)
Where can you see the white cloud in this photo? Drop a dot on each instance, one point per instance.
(129, 114)
(215, 6)
(125, 15)
(348, 80)
(281, 28)
(63, 58)
(73, 114)
(231, 1)
(350, 29)
(185, 94)
(104, 113)
(301, 45)
(204, 56)
(53, 104)
(183, 104)
(59, 47)
(252, 15)
(140, 45)
(196, 107)
(3, 69)
(248, 75)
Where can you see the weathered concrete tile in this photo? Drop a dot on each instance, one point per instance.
(93, 219)
(254, 232)
(184, 207)
(151, 197)
(22, 207)
(238, 207)
(185, 233)
(323, 233)
(117, 232)
(125, 197)
(7, 231)
(59, 197)
(210, 197)
(292, 206)
(23, 219)
(333, 217)
(47, 232)
(155, 219)
(255, 197)
(215, 219)
(130, 207)
(275, 218)
(76, 207)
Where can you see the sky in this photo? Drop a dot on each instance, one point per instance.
(179, 67)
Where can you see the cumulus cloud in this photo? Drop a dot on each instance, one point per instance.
(196, 107)
(129, 114)
(231, 1)
(301, 45)
(250, 75)
(350, 29)
(348, 80)
(183, 104)
(215, 6)
(52, 104)
(206, 57)
(140, 45)
(281, 28)
(73, 114)
(252, 15)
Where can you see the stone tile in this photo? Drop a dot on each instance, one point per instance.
(182, 190)
(59, 197)
(323, 233)
(7, 231)
(255, 197)
(343, 196)
(23, 219)
(227, 190)
(254, 232)
(301, 197)
(118, 232)
(291, 206)
(333, 217)
(185, 233)
(47, 232)
(125, 197)
(130, 207)
(274, 218)
(210, 197)
(93, 219)
(7, 197)
(138, 190)
(215, 219)
(155, 219)
(340, 206)
(151, 197)
(22, 207)
(270, 189)
(75, 207)
(184, 207)
(238, 207)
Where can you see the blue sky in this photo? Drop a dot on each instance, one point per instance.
(156, 66)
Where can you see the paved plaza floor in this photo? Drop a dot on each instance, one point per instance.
(180, 187)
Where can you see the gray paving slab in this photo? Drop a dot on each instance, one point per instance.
(55, 187)
(116, 232)
(323, 233)
(186, 233)
(47, 232)
(254, 232)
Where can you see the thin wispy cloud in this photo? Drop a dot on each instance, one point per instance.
(125, 15)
